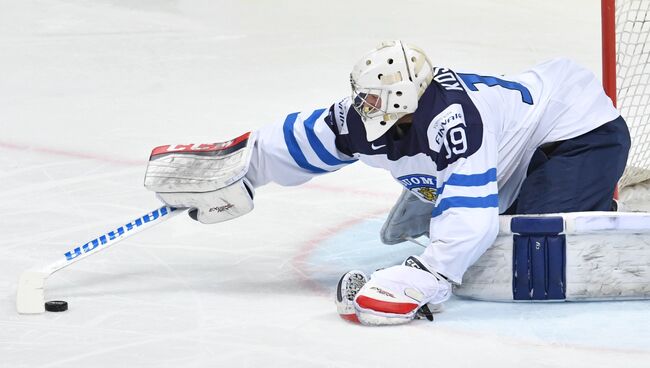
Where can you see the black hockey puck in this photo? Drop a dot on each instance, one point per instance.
(56, 306)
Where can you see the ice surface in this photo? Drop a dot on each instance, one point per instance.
(88, 88)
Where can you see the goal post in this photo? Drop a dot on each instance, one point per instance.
(608, 27)
(626, 77)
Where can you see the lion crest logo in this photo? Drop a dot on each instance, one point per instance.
(428, 193)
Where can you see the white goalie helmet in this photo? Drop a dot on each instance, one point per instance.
(387, 84)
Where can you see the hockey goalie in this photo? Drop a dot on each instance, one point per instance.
(466, 148)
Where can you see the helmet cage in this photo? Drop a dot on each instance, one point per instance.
(370, 103)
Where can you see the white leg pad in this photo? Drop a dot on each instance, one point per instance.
(606, 257)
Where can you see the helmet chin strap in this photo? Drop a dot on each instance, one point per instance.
(397, 116)
(391, 117)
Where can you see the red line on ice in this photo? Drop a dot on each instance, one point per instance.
(300, 262)
(65, 153)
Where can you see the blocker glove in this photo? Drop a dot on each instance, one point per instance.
(208, 179)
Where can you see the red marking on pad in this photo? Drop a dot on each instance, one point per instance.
(385, 307)
(197, 148)
(350, 317)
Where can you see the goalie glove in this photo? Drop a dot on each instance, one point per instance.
(209, 179)
(398, 294)
(346, 290)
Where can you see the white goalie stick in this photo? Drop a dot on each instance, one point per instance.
(30, 298)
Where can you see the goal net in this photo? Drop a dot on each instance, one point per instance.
(626, 76)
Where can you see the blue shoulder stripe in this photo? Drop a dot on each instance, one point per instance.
(294, 148)
(465, 202)
(317, 145)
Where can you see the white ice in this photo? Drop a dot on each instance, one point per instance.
(87, 88)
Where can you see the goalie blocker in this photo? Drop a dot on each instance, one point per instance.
(209, 179)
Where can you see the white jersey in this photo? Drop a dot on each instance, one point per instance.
(466, 151)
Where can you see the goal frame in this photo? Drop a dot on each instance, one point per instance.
(608, 30)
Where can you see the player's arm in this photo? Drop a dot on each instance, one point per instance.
(305, 145)
(216, 181)
(465, 221)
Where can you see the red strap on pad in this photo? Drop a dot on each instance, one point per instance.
(208, 149)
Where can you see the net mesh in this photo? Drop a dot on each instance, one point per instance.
(633, 81)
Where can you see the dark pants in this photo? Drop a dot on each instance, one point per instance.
(578, 174)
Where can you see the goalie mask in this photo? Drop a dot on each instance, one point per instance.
(387, 84)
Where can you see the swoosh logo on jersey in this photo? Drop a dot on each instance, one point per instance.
(377, 147)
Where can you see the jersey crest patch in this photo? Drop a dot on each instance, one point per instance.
(428, 193)
(423, 186)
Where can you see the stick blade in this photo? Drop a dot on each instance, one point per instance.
(30, 298)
